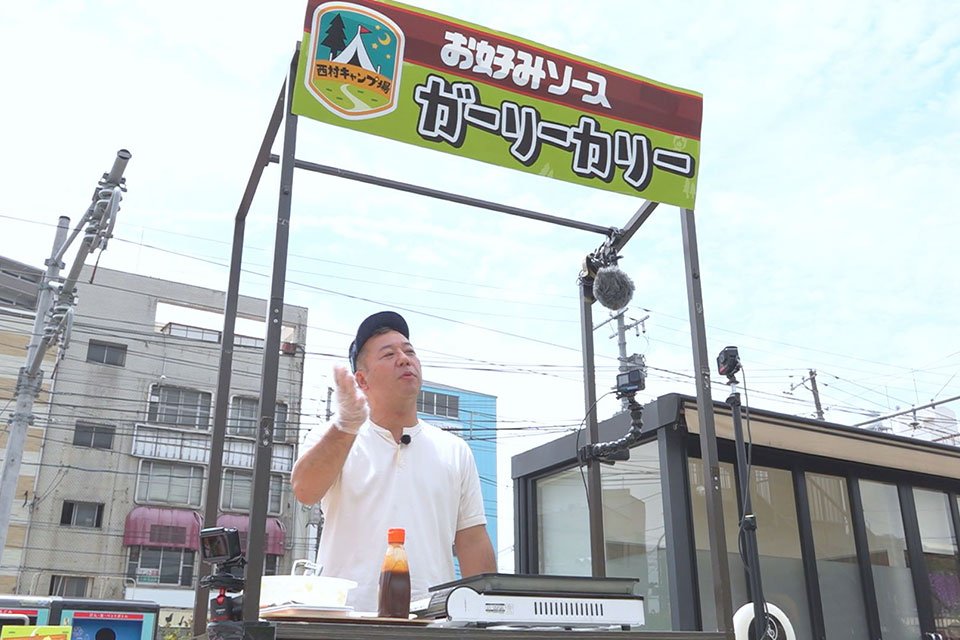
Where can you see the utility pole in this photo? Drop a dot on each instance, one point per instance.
(812, 379)
(54, 319)
(816, 393)
(627, 363)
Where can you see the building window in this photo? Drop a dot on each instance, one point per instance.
(179, 407)
(939, 543)
(634, 539)
(838, 570)
(774, 505)
(107, 353)
(248, 341)
(95, 436)
(271, 564)
(731, 525)
(191, 333)
(69, 586)
(169, 483)
(439, 404)
(245, 415)
(168, 534)
(81, 514)
(887, 542)
(161, 565)
(237, 488)
(280, 423)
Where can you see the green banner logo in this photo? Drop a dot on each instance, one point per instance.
(356, 59)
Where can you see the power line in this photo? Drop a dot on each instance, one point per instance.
(448, 319)
(310, 258)
(522, 337)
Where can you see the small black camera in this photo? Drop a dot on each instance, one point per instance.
(220, 545)
(728, 362)
(631, 382)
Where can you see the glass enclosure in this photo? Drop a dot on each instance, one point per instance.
(846, 562)
(841, 590)
(632, 521)
(939, 543)
(563, 525)
(778, 539)
(738, 581)
(778, 536)
(887, 543)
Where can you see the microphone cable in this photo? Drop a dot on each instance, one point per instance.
(580, 466)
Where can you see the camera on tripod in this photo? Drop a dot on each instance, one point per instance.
(728, 362)
(220, 546)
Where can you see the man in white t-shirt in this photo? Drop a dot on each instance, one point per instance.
(376, 467)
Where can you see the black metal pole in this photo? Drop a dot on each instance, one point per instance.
(633, 225)
(256, 537)
(446, 195)
(748, 522)
(594, 486)
(708, 434)
(221, 404)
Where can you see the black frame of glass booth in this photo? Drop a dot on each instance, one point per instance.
(792, 448)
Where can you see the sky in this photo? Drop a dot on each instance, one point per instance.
(825, 215)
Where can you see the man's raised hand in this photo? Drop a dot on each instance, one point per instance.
(352, 410)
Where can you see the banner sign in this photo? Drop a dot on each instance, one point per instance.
(403, 73)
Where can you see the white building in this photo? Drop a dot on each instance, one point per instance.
(115, 473)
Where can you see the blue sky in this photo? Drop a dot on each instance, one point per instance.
(826, 202)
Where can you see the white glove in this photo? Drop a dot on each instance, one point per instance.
(352, 410)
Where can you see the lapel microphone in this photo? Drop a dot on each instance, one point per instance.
(405, 439)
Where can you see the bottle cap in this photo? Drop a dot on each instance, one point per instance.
(396, 536)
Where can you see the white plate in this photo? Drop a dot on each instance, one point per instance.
(294, 610)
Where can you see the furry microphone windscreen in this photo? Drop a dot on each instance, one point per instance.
(613, 288)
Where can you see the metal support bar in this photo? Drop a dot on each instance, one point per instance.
(225, 371)
(862, 543)
(449, 197)
(678, 534)
(256, 536)
(918, 562)
(633, 225)
(808, 554)
(748, 523)
(594, 487)
(708, 438)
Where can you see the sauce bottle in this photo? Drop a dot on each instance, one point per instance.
(395, 578)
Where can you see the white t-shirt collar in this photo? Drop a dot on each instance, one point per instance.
(387, 435)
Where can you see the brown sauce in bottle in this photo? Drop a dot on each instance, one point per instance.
(394, 600)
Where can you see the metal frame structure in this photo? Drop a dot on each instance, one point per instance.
(616, 239)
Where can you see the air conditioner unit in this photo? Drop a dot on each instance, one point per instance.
(778, 625)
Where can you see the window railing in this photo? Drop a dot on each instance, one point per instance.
(189, 332)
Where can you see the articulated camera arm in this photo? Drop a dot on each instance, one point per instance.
(619, 449)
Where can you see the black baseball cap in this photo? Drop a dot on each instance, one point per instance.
(368, 327)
